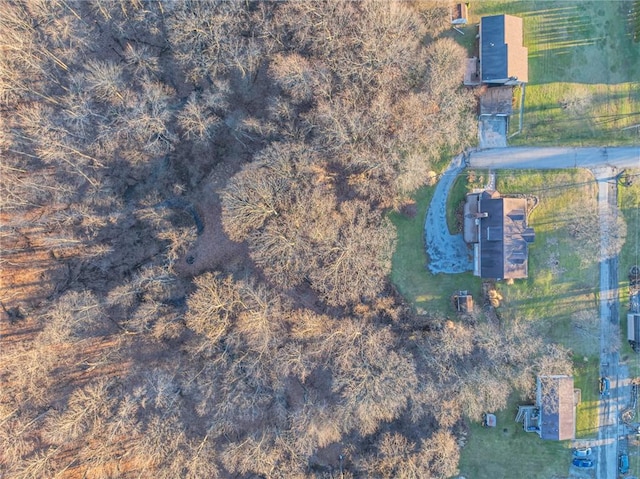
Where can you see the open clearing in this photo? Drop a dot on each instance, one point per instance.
(584, 66)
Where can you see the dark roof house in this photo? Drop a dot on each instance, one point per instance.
(555, 398)
(497, 228)
(503, 57)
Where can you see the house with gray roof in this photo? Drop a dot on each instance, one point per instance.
(503, 57)
(553, 416)
(497, 228)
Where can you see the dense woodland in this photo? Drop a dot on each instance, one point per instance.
(195, 243)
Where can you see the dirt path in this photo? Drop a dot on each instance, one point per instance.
(447, 253)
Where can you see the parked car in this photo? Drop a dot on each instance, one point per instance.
(604, 386)
(582, 452)
(582, 462)
(623, 463)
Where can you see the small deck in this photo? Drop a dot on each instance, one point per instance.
(529, 416)
(472, 72)
(497, 101)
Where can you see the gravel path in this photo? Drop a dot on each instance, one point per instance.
(447, 253)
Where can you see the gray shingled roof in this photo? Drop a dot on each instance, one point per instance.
(502, 53)
(556, 400)
(504, 237)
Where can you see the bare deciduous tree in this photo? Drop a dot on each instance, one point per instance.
(374, 381)
(195, 119)
(441, 453)
(355, 265)
(213, 305)
(257, 454)
(396, 458)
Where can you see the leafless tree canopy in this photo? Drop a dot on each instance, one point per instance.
(196, 250)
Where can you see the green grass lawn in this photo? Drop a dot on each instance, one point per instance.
(586, 374)
(425, 291)
(584, 70)
(506, 451)
(563, 264)
(456, 197)
(560, 300)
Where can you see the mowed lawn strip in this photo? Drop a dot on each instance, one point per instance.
(584, 71)
(586, 374)
(629, 203)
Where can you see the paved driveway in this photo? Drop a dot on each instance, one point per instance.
(447, 253)
(492, 131)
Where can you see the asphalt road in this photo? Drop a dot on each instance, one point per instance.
(550, 158)
(605, 163)
(610, 406)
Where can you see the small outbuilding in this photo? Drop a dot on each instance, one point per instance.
(463, 302)
(489, 420)
(460, 14)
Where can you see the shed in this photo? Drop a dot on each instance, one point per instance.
(503, 57)
(489, 420)
(463, 302)
(460, 14)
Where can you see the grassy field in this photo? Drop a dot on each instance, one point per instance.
(560, 299)
(495, 452)
(584, 70)
(586, 372)
(629, 202)
(560, 294)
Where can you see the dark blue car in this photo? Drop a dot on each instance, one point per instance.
(623, 463)
(582, 462)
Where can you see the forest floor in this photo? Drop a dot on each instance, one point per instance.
(31, 260)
